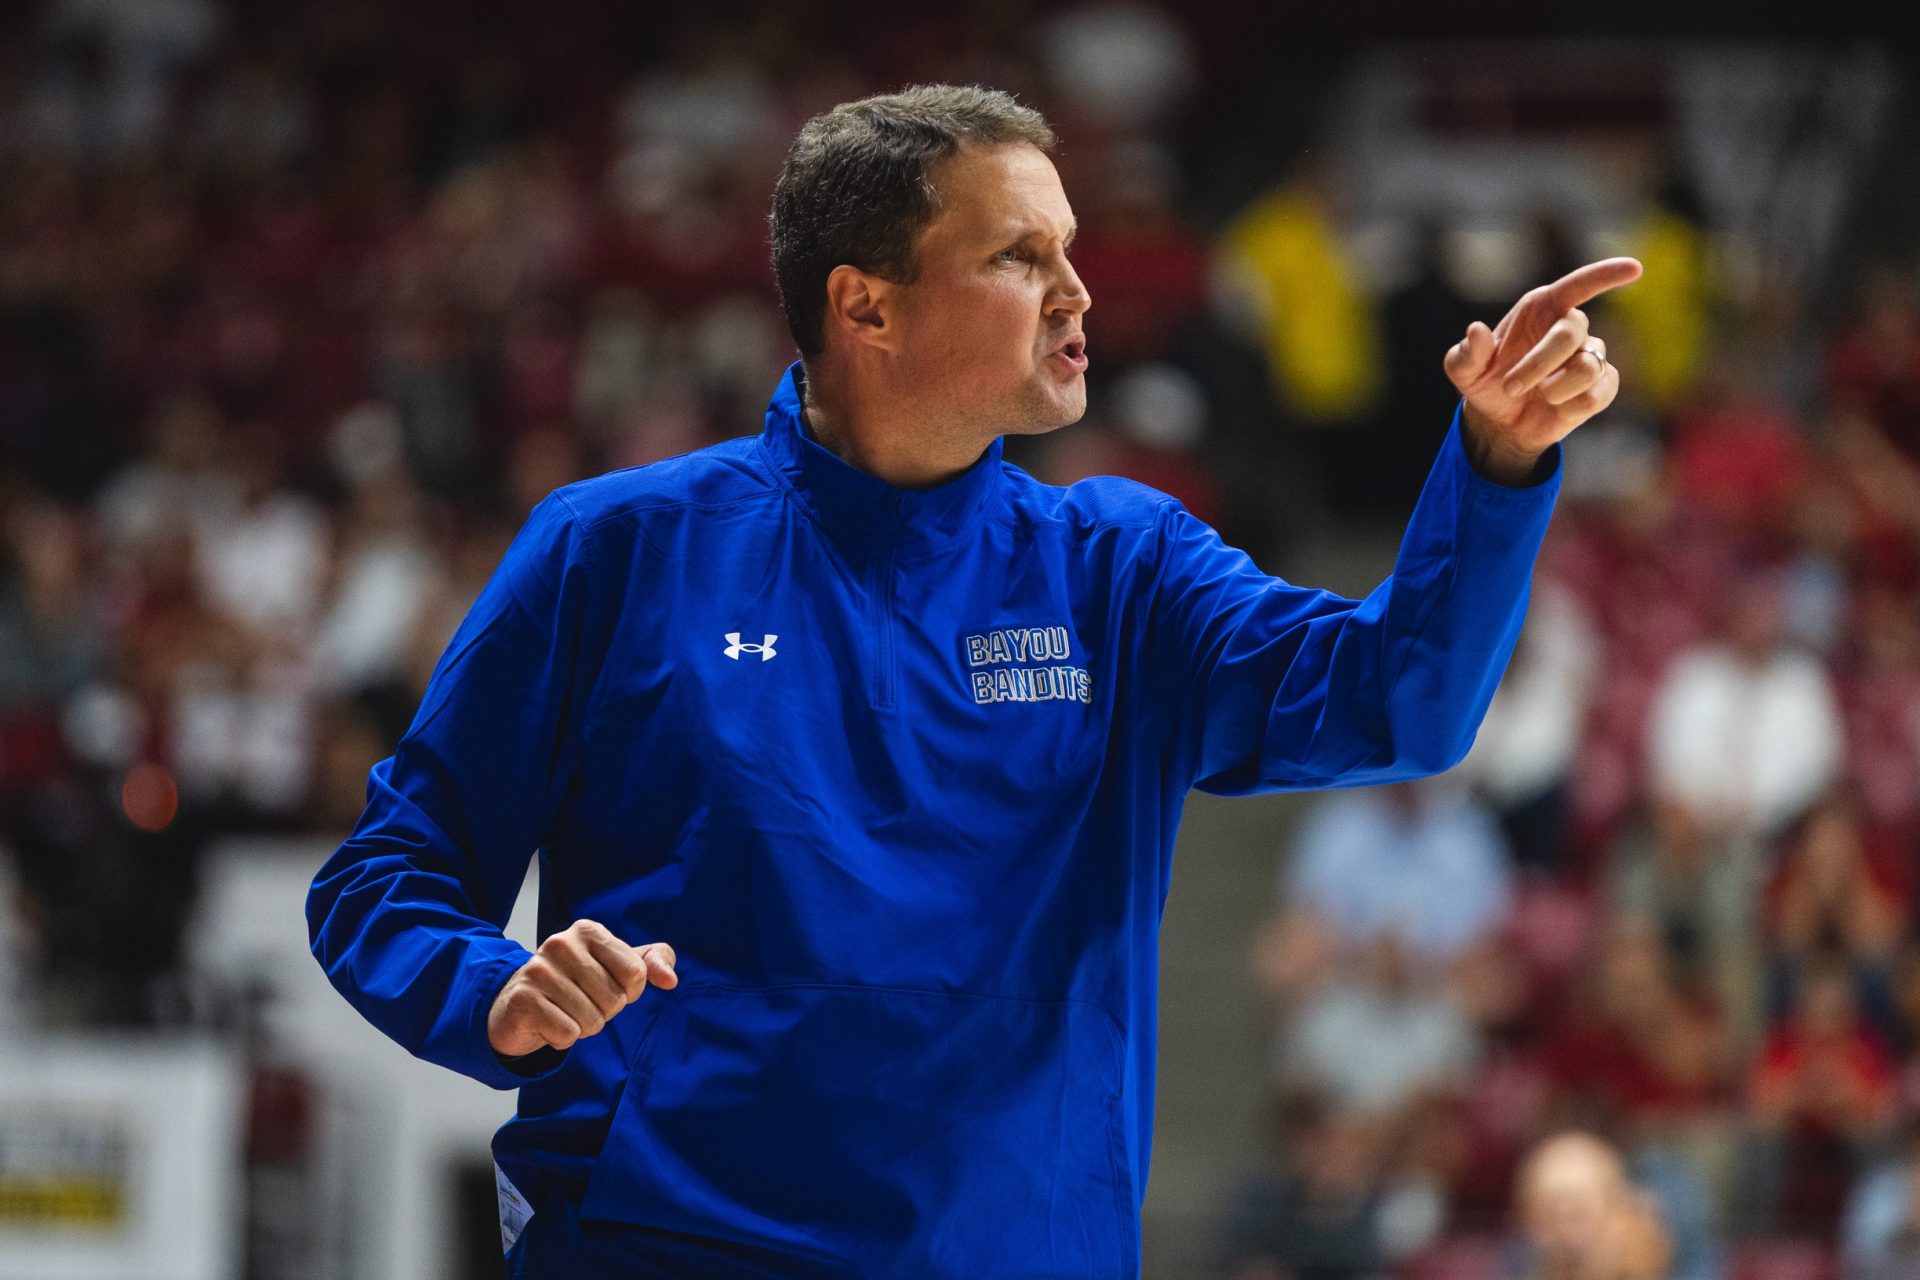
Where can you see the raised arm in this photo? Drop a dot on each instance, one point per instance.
(1281, 687)
(1278, 687)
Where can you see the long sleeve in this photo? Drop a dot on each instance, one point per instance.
(407, 916)
(1276, 687)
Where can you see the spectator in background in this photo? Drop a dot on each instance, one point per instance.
(179, 480)
(1666, 872)
(1583, 1219)
(52, 637)
(707, 96)
(429, 366)
(620, 357)
(695, 134)
(1871, 379)
(1326, 1207)
(1738, 460)
(1745, 730)
(1420, 860)
(261, 562)
(1879, 684)
(1873, 367)
(1289, 284)
(1880, 1230)
(1636, 1053)
(1522, 758)
(1380, 1039)
(379, 579)
(1819, 1098)
(1687, 1209)
(1669, 324)
(1744, 733)
(1819, 566)
(1832, 896)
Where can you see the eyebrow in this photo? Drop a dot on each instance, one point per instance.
(1032, 232)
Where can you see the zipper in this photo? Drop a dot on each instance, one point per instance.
(884, 667)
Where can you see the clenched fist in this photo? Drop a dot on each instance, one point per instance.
(572, 987)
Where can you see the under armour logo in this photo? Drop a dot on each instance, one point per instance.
(735, 648)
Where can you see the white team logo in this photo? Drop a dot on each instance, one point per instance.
(735, 648)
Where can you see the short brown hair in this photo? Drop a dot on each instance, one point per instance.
(854, 188)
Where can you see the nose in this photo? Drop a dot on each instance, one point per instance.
(1073, 296)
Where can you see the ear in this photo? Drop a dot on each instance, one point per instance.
(859, 308)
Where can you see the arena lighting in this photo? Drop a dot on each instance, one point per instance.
(149, 797)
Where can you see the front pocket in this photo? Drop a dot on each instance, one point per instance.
(877, 1131)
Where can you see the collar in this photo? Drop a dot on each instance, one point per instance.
(859, 508)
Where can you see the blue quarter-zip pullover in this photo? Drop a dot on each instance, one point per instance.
(897, 773)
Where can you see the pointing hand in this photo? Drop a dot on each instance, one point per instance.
(1536, 376)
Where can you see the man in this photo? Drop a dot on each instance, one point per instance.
(868, 750)
(1583, 1218)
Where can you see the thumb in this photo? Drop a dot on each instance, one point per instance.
(660, 959)
(1468, 358)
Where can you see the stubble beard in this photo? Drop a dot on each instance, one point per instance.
(1041, 408)
(1040, 403)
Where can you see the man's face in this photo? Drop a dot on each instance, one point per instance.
(996, 296)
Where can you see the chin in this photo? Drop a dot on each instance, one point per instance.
(1037, 405)
(1047, 418)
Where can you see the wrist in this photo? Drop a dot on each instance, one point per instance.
(1495, 461)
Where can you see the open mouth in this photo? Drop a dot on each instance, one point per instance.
(1073, 355)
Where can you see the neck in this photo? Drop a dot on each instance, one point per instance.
(896, 446)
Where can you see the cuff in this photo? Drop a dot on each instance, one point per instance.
(1546, 488)
(483, 1062)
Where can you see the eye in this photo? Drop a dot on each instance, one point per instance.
(1013, 249)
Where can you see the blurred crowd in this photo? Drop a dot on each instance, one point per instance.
(1669, 897)
(303, 307)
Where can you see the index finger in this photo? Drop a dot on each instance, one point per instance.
(1583, 284)
(626, 965)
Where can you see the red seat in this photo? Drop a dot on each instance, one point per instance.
(1782, 1260)
(1464, 1257)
